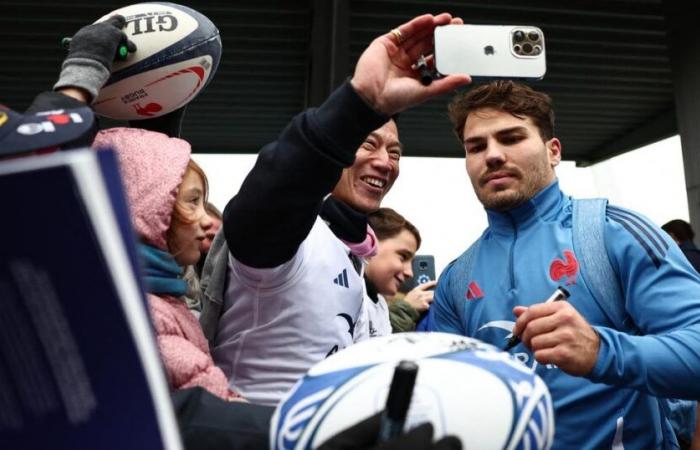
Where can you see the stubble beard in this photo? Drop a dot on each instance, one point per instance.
(528, 183)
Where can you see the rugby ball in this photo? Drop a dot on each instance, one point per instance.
(465, 388)
(177, 53)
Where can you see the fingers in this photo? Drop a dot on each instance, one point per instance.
(533, 312)
(418, 437)
(519, 310)
(426, 286)
(448, 443)
(117, 21)
(538, 327)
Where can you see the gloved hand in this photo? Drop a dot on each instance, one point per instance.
(90, 55)
(363, 436)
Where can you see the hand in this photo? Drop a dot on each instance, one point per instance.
(385, 76)
(421, 296)
(363, 436)
(90, 55)
(557, 334)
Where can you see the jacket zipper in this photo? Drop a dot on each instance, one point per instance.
(511, 269)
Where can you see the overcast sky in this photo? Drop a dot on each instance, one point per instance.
(435, 193)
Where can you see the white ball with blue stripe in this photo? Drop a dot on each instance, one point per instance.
(465, 388)
(177, 53)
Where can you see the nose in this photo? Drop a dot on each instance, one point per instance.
(494, 154)
(206, 222)
(383, 163)
(408, 269)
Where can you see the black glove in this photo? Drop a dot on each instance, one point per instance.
(363, 436)
(90, 55)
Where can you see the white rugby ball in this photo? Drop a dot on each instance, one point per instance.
(464, 387)
(177, 53)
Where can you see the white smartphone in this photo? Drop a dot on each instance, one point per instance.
(491, 51)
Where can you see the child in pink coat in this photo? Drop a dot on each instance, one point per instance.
(166, 191)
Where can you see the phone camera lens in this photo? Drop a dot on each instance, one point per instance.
(517, 49)
(533, 35)
(536, 50)
(423, 264)
(527, 48)
(519, 36)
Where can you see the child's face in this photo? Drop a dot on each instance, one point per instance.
(185, 237)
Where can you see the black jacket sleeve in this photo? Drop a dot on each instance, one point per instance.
(49, 100)
(279, 200)
(53, 100)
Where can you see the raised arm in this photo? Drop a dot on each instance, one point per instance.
(277, 204)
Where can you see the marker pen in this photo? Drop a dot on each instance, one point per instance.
(398, 400)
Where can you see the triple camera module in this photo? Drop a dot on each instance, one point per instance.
(526, 42)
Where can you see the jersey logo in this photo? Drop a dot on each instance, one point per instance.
(342, 279)
(560, 269)
(474, 292)
(351, 324)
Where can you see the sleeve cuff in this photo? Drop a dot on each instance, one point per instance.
(83, 73)
(343, 121)
(601, 364)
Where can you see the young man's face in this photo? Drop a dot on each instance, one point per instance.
(507, 160)
(365, 183)
(391, 266)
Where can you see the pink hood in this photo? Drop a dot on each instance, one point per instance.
(152, 167)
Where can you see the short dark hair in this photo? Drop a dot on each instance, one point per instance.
(680, 229)
(387, 223)
(517, 99)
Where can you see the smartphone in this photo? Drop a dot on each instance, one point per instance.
(487, 52)
(423, 271)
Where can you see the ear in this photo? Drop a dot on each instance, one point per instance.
(553, 152)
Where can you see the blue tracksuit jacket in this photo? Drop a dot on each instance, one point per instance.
(524, 255)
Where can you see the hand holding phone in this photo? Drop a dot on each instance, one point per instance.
(491, 51)
(421, 296)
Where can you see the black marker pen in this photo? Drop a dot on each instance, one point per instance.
(398, 400)
(559, 294)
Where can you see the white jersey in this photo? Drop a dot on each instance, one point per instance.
(374, 319)
(279, 322)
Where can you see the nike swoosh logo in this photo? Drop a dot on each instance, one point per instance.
(507, 325)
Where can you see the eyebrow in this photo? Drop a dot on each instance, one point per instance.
(503, 132)
(376, 135)
(194, 190)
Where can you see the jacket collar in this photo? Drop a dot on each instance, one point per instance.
(544, 205)
(371, 290)
(345, 222)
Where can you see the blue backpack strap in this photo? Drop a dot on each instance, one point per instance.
(588, 222)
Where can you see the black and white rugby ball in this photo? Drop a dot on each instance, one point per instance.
(178, 51)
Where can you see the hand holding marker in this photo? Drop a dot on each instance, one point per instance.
(559, 294)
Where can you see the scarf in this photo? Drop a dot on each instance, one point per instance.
(161, 274)
(350, 226)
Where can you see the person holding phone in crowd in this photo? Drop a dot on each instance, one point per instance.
(283, 282)
(398, 240)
